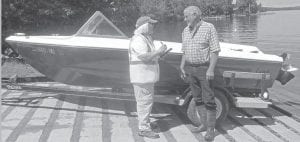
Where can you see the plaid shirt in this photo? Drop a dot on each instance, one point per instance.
(199, 43)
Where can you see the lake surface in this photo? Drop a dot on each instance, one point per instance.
(273, 32)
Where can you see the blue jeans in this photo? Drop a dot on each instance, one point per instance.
(202, 89)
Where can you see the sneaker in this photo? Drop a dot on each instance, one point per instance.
(148, 134)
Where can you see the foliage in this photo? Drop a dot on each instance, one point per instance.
(247, 6)
(35, 16)
(66, 16)
(48, 16)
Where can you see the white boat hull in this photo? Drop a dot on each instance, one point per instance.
(108, 66)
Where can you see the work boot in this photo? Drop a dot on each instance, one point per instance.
(154, 127)
(148, 134)
(211, 122)
(202, 112)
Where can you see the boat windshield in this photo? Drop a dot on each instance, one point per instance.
(99, 25)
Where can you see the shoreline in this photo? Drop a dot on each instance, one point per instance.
(264, 9)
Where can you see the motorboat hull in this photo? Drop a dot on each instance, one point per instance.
(109, 67)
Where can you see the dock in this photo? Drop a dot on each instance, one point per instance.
(31, 115)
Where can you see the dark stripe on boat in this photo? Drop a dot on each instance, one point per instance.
(77, 127)
(19, 129)
(51, 121)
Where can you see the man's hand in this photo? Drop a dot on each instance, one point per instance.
(147, 57)
(162, 48)
(210, 74)
(182, 74)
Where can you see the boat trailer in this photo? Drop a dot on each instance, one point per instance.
(226, 97)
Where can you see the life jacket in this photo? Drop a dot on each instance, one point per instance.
(140, 71)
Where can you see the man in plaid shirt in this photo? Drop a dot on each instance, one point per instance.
(200, 47)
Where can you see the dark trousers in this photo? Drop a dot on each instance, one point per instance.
(201, 88)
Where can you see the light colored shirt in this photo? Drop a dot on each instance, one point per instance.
(141, 72)
(199, 43)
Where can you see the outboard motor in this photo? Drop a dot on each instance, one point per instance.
(285, 74)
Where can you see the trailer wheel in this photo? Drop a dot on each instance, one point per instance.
(222, 109)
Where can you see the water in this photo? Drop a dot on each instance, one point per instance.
(273, 32)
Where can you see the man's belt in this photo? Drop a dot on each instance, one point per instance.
(142, 62)
(197, 65)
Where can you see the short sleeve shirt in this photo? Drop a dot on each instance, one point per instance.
(138, 45)
(199, 43)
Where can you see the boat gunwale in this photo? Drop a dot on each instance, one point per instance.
(122, 49)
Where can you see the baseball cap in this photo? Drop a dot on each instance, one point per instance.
(143, 20)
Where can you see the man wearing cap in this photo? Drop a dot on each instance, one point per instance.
(200, 48)
(144, 71)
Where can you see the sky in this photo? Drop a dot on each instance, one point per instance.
(279, 3)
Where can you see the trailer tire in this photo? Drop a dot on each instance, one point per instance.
(222, 109)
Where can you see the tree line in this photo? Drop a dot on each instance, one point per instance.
(66, 16)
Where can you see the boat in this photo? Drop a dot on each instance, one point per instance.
(97, 56)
